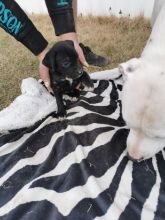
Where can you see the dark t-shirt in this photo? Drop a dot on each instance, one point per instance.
(14, 20)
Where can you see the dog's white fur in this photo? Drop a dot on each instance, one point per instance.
(143, 95)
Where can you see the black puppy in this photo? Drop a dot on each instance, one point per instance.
(66, 73)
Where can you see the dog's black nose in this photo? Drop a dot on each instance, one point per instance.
(135, 160)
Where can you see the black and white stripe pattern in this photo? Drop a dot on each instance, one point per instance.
(77, 169)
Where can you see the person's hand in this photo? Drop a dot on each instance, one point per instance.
(43, 70)
(73, 37)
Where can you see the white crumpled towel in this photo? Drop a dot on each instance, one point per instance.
(32, 105)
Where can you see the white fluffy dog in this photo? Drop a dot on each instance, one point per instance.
(143, 96)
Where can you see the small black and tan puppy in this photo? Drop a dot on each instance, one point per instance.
(66, 73)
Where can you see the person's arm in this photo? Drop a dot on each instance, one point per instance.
(61, 14)
(14, 21)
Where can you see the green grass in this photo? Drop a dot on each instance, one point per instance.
(118, 38)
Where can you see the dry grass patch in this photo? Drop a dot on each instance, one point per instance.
(118, 38)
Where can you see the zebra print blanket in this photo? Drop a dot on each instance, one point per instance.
(77, 168)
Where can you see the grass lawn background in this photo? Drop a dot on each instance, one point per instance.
(118, 38)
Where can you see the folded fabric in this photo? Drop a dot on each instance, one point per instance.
(32, 105)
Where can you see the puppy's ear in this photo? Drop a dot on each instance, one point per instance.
(49, 60)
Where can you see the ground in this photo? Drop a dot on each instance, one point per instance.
(118, 38)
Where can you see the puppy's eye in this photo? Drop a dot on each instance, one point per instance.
(66, 64)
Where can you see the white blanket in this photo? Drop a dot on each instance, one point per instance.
(31, 106)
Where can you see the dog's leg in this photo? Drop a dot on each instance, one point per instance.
(87, 82)
(61, 111)
(73, 91)
(74, 94)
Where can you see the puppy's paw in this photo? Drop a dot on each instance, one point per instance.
(61, 114)
(74, 99)
(61, 118)
(66, 97)
(88, 89)
(70, 98)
